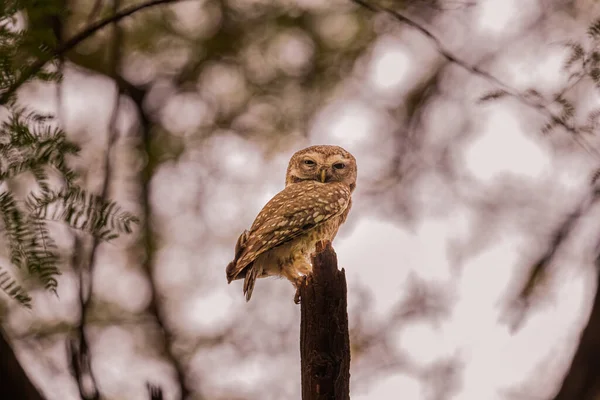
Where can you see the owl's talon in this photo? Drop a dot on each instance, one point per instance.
(297, 296)
(301, 280)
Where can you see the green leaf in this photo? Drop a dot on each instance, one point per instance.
(9, 285)
(30, 244)
(83, 211)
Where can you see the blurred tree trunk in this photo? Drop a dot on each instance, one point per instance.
(324, 338)
(582, 382)
(14, 382)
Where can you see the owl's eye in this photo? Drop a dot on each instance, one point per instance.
(339, 165)
(309, 162)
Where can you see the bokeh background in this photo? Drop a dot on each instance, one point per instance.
(187, 113)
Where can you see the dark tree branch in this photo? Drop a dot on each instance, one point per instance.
(154, 307)
(582, 381)
(137, 94)
(36, 66)
(77, 346)
(79, 353)
(541, 266)
(324, 338)
(14, 382)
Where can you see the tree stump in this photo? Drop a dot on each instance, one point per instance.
(324, 338)
(582, 381)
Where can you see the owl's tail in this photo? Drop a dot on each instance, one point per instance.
(232, 271)
(251, 274)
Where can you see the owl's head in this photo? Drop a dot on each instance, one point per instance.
(322, 163)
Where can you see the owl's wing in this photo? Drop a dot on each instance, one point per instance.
(292, 212)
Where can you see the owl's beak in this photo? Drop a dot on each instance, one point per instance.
(323, 175)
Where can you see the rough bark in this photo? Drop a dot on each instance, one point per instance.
(324, 338)
(14, 382)
(582, 381)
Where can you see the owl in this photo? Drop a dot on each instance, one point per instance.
(314, 203)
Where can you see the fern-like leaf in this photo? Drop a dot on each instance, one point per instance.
(9, 285)
(15, 228)
(568, 109)
(594, 30)
(550, 125)
(592, 122)
(43, 261)
(33, 144)
(30, 244)
(83, 211)
(577, 54)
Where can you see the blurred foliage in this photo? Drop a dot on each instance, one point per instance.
(564, 110)
(31, 144)
(29, 34)
(582, 63)
(260, 68)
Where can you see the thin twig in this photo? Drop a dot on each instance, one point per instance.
(154, 307)
(540, 268)
(35, 67)
(438, 43)
(447, 54)
(137, 94)
(77, 347)
(95, 10)
(81, 358)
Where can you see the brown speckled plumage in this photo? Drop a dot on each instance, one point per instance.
(312, 206)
